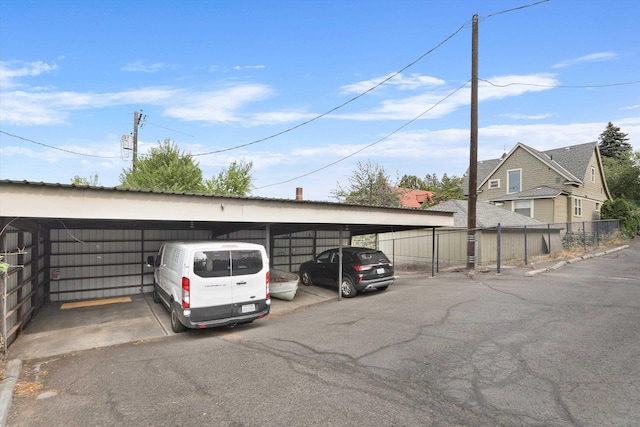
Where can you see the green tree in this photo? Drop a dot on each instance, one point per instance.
(613, 143)
(368, 185)
(166, 169)
(91, 181)
(622, 210)
(236, 180)
(623, 177)
(412, 182)
(448, 188)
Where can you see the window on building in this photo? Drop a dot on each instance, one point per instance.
(597, 207)
(523, 207)
(577, 207)
(514, 183)
(593, 174)
(494, 183)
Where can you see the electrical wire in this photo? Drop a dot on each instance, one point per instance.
(349, 101)
(561, 86)
(59, 149)
(372, 144)
(516, 8)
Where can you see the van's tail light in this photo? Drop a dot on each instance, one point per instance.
(267, 281)
(186, 288)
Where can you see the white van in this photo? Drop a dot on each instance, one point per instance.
(210, 283)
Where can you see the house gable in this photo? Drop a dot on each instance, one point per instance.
(573, 174)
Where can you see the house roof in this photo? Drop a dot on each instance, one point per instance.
(413, 198)
(570, 162)
(533, 193)
(487, 215)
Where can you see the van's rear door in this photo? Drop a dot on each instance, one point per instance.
(211, 284)
(249, 275)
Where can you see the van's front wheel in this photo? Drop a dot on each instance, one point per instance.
(156, 297)
(176, 326)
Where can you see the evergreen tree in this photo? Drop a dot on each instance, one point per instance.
(613, 143)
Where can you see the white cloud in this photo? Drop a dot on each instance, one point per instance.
(11, 70)
(413, 82)
(218, 106)
(527, 116)
(248, 67)
(594, 57)
(140, 67)
(439, 103)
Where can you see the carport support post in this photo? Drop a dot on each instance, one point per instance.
(498, 238)
(340, 265)
(526, 251)
(433, 252)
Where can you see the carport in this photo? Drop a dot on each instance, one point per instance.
(72, 243)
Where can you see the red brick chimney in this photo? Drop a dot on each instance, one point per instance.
(299, 193)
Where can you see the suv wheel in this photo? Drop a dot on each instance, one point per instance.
(306, 278)
(348, 289)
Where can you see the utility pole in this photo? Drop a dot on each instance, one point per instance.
(136, 122)
(473, 151)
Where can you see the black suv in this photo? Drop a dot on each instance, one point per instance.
(362, 269)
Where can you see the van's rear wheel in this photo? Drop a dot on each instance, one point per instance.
(176, 326)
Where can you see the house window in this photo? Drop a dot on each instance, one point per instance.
(593, 174)
(494, 183)
(597, 207)
(523, 207)
(514, 183)
(577, 207)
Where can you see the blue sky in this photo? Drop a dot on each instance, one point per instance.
(216, 75)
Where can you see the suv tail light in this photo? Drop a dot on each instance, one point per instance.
(186, 288)
(362, 267)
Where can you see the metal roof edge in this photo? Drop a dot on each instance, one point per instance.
(213, 196)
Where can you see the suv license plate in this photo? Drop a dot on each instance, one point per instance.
(380, 271)
(248, 308)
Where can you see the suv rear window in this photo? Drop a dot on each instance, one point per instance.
(376, 257)
(227, 263)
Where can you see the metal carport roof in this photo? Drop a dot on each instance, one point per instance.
(60, 205)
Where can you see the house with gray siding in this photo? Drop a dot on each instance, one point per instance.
(555, 186)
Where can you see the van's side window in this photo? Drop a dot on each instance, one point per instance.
(211, 264)
(245, 262)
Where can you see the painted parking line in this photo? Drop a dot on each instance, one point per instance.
(91, 303)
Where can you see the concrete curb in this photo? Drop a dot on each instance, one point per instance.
(11, 374)
(574, 260)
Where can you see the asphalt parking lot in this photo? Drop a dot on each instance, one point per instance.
(557, 348)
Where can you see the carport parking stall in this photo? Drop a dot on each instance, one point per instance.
(70, 243)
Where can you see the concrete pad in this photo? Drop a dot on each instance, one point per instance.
(56, 331)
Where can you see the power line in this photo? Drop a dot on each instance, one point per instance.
(59, 149)
(326, 113)
(562, 86)
(516, 8)
(372, 144)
